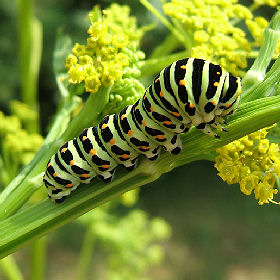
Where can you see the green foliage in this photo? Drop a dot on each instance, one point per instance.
(17, 145)
(130, 241)
(112, 62)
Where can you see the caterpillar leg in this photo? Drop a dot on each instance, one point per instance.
(206, 128)
(57, 192)
(218, 123)
(107, 178)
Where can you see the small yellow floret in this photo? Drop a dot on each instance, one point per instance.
(120, 40)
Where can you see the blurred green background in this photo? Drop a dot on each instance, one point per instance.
(217, 233)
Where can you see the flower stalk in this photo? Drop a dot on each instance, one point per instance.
(257, 72)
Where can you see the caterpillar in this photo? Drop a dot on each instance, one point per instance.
(188, 92)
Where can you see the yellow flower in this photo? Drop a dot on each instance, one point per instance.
(120, 40)
(210, 28)
(92, 84)
(253, 162)
(77, 74)
(106, 56)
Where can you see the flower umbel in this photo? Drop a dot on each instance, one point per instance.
(211, 30)
(110, 52)
(254, 163)
(17, 145)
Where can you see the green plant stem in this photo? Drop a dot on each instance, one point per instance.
(38, 255)
(85, 254)
(89, 114)
(36, 220)
(30, 45)
(30, 179)
(155, 65)
(10, 268)
(25, 15)
(164, 21)
(167, 46)
(256, 74)
(267, 87)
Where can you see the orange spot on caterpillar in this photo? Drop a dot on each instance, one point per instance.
(183, 66)
(214, 102)
(122, 117)
(191, 105)
(161, 94)
(182, 82)
(104, 125)
(54, 174)
(156, 80)
(218, 73)
(143, 123)
(176, 114)
(215, 84)
(112, 141)
(136, 108)
(152, 109)
(167, 122)
(84, 175)
(68, 186)
(144, 147)
(92, 152)
(160, 137)
(72, 162)
(64, 150)
(125, 156)
(105, 166)
(84, 138)
(130, 132)
(49, 165)
(228, 105)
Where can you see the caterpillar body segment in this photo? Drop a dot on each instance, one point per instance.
(188, 92)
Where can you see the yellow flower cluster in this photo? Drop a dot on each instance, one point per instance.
(104, 58)
(210, 28)
(254, 163)
(17, 146)
(272, 3)
(16, 143)
(23, 111)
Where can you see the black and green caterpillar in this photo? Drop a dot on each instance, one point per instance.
(188, 92)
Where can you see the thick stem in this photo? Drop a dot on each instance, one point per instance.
(37, 260)
(85, 254)
(256, 74)
(10, 268)
(30, 45)
(154, 65)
